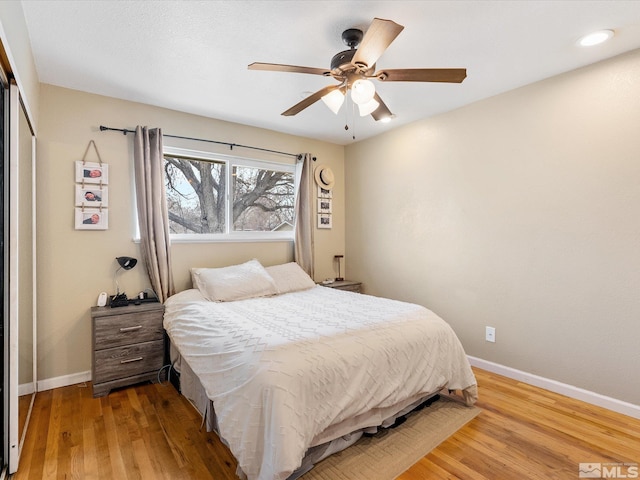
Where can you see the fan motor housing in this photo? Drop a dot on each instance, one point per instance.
(341, 62)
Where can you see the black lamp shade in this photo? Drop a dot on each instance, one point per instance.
(127, 262)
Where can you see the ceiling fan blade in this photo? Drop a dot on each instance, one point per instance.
(276, 67)
(310, 100)
(382, 111)
(377, 38)
(448, 75)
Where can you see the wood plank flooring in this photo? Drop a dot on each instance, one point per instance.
(151, 432)
(525, 432)
(24, 402)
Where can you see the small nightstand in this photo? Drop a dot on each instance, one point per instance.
(127, 344)
(349, 285)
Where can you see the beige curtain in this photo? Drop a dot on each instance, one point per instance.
(152, 210)
(304, 242)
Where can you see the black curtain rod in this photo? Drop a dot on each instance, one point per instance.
(230, 145)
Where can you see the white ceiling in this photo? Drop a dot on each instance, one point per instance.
(192, 56)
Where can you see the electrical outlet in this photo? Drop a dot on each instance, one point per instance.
(490, 334)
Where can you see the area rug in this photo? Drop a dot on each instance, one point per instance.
(391, 452)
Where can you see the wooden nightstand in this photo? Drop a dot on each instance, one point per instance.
(349, 285)
(127, 344)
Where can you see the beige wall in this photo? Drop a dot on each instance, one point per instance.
(520, 212)
(74, 266)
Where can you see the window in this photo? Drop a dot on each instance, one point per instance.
(219, 197)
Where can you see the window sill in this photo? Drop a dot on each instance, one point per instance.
(228, 238)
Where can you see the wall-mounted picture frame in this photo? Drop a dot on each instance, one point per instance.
(90, 172)
(324, 205)
(88, 196)
(324, 220)
(324, 193)
(92, 219)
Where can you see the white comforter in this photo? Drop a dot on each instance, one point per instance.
(281, 370)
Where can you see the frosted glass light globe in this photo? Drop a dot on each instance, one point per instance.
(334, 100)
(369, 107)
(362, 91)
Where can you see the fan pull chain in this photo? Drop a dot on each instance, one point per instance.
(346, 112)
(353, 115)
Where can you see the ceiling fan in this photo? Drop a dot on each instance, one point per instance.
(354, 69)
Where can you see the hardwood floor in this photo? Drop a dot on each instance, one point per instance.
(24, 402)
(144, 432)
(525, 432)
(151, 432)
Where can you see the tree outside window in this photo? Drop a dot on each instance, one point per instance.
(262, 198)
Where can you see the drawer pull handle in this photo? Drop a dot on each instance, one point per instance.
(130, 329)
(137, 359)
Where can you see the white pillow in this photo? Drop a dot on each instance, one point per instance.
(236, 282)
(289, 277)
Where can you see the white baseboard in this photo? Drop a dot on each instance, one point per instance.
(571, 391)
(26, 389)
(587, 396)
(64, 381)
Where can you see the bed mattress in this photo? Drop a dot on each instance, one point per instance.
(294, 371)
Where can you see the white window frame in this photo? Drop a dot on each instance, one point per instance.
(232, 161)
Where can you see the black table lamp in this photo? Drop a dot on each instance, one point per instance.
(126, 262)
(120, 299)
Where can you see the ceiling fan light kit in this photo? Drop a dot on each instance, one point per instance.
(355, 68)
(334, 100)
(369, 107)
(362, 91)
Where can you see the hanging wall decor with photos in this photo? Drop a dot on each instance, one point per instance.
(92, 219)
(324, 205)
(325, 180)
(91, 193)
(324, 193)
(325, 199)
(324, 220)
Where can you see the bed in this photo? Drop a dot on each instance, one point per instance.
(288, 372)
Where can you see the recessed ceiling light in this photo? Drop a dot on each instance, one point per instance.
(595, 38)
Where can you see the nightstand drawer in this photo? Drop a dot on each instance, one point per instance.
(356, 287)
(348, 285)
(128, 345)
(125, 329)
(121, 362)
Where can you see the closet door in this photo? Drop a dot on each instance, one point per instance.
(4, 386)
(11, 185)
